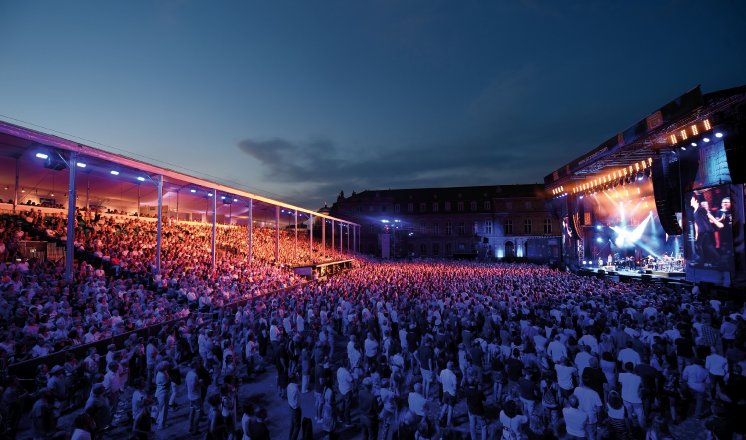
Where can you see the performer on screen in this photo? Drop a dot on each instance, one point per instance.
(704, 233)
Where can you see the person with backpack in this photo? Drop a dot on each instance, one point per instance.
(512, 422)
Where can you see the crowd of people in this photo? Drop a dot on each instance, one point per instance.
(406, 350)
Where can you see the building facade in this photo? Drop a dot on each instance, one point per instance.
(477, 222)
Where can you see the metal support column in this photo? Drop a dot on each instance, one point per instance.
(214, 225)
(15, 192)
(70, 250)
(310, 235)
(295, 248)
(341, 237)
(251, 229)
(277, 234)
(332, 236)
(347, 226)
(323, 236)
(138, 200)
(159, 226)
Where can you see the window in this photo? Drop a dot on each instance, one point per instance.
(473, 206)
(410, 207)
(448, 250)
(547, 225)
(397, 208)
(460, 206)
(436, 249)
(508, 205)
(508, 226)
(487, 205)
(371, 228)
(476, 228)
(488, 227)
(447, 206)
(528, 205)
(423, 206)
(435, 206)
(460, 227)
(423, 228)
(449, 228)
(527, 226)
(436, 229)
(423, 249)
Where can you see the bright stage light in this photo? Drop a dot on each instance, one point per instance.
(599, 227)
(629, 238)
(694, 144)
(718, 135)
(706, 139)
(114, 172)
(192, 190)
(599, 239)
(141, 179)
(42, 155)
(80, 164)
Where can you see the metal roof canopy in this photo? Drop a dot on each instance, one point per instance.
(19, 145)
(647, 137)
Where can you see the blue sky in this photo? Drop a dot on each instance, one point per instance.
(303, 99)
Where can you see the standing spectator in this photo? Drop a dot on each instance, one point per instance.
(575, 419)
(475, 405)
(293, 394)
(631, 393)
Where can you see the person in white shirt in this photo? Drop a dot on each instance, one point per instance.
(344, 383)
(556, 349)
(631, 384)
(295, 410)
(590, 403)
(575, 419)
(628, 355)
(512, 422)
(695, 376)
(716, 366)
(566, 374)
(449, 383)
(371, 350)
(417, 401)
(194, 395)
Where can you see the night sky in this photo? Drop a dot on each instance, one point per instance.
(302, 99)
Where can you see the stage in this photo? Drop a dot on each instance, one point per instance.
(625, 274)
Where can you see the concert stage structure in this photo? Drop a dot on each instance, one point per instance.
(663, 199)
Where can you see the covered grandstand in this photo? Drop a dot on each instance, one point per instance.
(54, 175)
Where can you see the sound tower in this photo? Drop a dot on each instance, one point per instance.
(667, 190)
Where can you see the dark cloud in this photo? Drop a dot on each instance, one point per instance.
(322, 170)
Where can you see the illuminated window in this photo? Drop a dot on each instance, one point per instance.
(547, 226)
(508, 226)
(527, 226)
(488, 227)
